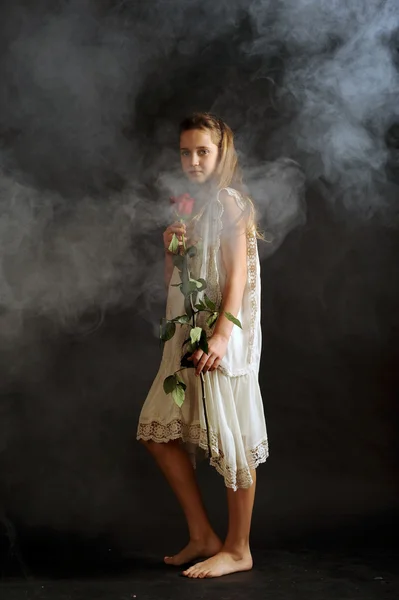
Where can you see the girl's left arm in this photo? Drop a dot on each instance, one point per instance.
(233, 245)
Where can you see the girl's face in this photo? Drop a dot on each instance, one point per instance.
(199, 155)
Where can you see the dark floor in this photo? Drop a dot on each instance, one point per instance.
(311, 574)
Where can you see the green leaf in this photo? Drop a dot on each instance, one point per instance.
(203, 343)
(198, 283)
(174, 244)
(212, 318)
(194, 286)
(181, 382)
(233, 319)
(210, 304)
(203, 284)
(183, 319)
(178, 395)
(200, 306)
(167, 330)
(195, 334)
(169, 384)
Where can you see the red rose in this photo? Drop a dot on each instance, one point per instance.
(184, 204)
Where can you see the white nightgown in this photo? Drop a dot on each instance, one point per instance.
(237, 427)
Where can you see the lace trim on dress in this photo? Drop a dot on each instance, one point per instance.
(194, 434)
(252, 277)
(237, 372)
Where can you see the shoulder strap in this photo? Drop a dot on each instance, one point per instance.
(234, 194)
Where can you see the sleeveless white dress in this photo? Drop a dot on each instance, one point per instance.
(237, 427)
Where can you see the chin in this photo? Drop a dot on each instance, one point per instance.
(197, 178)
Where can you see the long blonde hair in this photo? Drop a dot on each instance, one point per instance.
(228, 172)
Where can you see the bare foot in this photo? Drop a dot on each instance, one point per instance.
(222, 563)
(195, 549)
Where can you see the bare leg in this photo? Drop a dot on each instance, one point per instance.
(235, 554)
(175, 464)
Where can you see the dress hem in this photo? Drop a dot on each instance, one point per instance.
(194, 434)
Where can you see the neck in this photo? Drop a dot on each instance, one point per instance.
(202, 192)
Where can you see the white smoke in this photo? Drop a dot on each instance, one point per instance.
(57, 263)
(73, 79)
(339, 89)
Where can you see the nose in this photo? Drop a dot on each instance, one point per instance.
(194, 159)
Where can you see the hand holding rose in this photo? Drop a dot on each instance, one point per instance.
(217, 347)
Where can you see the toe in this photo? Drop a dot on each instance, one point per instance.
(194, 573)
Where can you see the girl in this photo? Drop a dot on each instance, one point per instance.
(228, 261)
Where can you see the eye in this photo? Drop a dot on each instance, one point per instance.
(185, 153)
(204, 151)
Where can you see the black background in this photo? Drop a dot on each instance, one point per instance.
(72, 383)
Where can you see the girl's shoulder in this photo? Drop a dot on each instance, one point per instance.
(225, 194)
